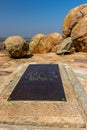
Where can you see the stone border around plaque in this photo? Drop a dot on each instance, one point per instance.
(41, 113)
(77, 87)
(21, 127)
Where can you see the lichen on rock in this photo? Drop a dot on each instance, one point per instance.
(79, 35)
(72, 18)
(16, 46)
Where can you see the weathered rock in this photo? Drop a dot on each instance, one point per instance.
(33, 43)
(1, 46)
(65, 47)
(72, 18)
(33, 46)
(41, 43)
(57, 40)
(16, 46)
(79, 35)
(37, 36)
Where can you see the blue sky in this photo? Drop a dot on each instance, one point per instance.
(29, 17)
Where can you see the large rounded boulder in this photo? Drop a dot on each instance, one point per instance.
(72, 18)
(79, 35)
(34, 42)
(45, 44)
(41, 43)
(37, 36)
(58, 38)
(16, 46)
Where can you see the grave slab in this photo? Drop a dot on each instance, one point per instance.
(67, 113)
(39, 82)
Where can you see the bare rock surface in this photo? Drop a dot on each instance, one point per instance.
(42, 45)
(37, 36)
(72, 18)
(45, 43)
(79, 35)
(58, 38)
(1, 46)
(16, 46)
(65, 47)
(34, 43)
(41, 113)
(78, 62)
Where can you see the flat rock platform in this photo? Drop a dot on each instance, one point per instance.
(44, 114)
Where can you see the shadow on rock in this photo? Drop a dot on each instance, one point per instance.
(28, 56)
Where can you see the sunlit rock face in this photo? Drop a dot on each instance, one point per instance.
(65, 47)
(45, 43)
(34, 43)
(72, 18)
(16, 46)
(79, 35)
(58, 38)
(37, 36)
(75, 26)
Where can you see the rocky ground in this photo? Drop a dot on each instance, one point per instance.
(78, 62)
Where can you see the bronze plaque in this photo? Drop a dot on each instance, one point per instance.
(39, 82)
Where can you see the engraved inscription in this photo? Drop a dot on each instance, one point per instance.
(41, 76)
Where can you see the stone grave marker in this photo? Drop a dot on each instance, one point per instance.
(39, 82)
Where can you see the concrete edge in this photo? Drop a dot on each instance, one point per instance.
(10, 78)
(77, 87)
(15, 127)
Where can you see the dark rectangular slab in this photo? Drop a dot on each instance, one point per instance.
(39, 82)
